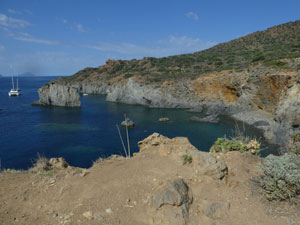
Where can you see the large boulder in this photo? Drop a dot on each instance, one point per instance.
(177, 194)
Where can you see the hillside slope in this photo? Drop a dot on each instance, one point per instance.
(268, 47)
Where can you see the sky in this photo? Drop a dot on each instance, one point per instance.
(60, 37)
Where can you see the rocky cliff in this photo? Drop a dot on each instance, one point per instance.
(55, 94)
(254, 79)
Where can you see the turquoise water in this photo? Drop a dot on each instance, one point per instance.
(83, 135)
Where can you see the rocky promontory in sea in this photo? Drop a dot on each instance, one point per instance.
(254, 79)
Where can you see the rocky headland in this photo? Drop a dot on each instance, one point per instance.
(254, 79)
(167, 182)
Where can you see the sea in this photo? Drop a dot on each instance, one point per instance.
(83, 135)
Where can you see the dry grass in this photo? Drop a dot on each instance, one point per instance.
(41, 164)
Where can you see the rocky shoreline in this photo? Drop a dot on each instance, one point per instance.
(266, 101)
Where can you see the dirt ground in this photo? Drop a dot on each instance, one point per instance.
(120, 191)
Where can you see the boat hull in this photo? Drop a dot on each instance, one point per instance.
(13, 93)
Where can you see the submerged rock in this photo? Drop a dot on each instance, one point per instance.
(128, 122)
(163, 119)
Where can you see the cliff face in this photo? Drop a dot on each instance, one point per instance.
(55, 94)
(268, 101)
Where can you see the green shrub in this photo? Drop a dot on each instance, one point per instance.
(236, 144)
(128, 75)
(187, 159)
(281, 177)
(225, 145)
(258, 58)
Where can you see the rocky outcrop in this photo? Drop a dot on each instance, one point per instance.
(54, 94)
(127, 123)
(203, 163)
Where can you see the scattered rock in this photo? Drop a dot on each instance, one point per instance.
(208, 119)
(88, 215)
(164, 119)
(109, 211)
(100, 217)
(128, 122)
(215, 209)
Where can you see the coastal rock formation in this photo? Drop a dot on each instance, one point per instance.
(250, 79)
(164, 96)
(55, 94)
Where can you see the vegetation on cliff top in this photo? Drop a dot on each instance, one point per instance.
(269, 47)
(281, 178)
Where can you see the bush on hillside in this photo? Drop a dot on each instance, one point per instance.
(240, 144)
(281, 177)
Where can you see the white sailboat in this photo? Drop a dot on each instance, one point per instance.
(13, 91)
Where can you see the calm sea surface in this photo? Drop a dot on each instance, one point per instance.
(83, 135)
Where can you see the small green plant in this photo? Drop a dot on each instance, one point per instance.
(281, 177)
(187, 159)
(50, 173)
(236, 144)
(128, 75)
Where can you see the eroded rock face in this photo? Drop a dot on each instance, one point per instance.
(288, 114)
(54, 94)
(132, 92)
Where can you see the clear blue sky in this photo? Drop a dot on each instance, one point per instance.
(60, 37)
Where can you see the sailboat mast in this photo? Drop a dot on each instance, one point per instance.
(17, 83)
(12, 81)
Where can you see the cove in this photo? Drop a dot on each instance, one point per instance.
(85, 134)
